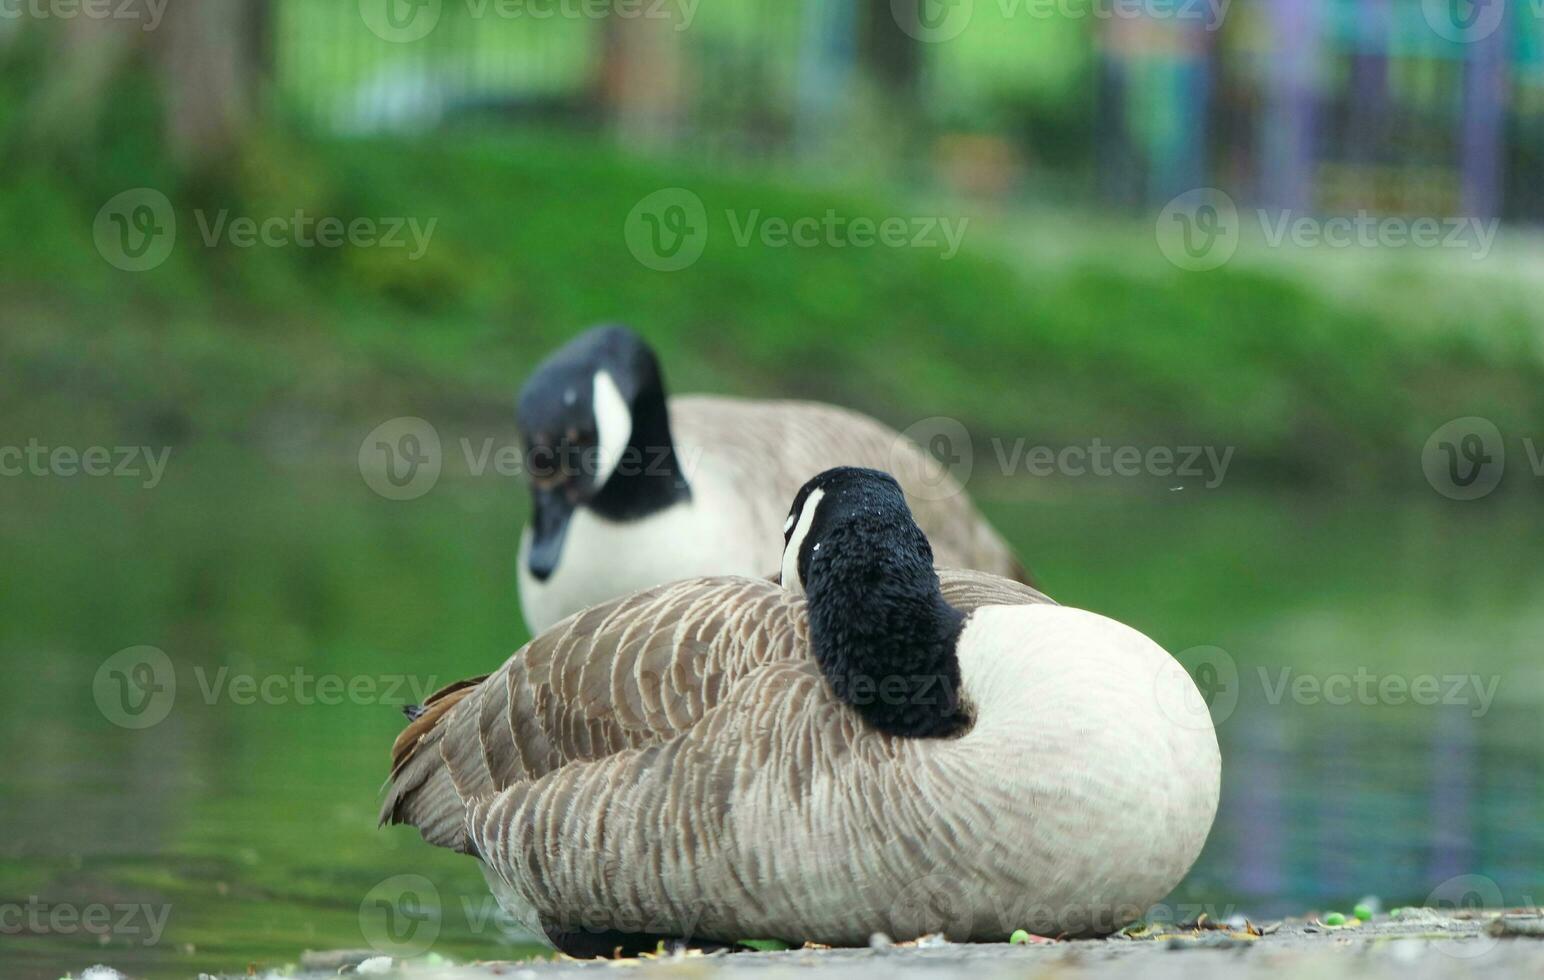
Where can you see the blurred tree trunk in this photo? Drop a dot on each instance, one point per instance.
(889, 54)
(212, 61)
(638, 88)
(208, 59)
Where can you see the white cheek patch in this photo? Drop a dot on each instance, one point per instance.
(613, 427)
(791, 580)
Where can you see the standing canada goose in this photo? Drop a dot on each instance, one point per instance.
(629, 490)
(870, 746)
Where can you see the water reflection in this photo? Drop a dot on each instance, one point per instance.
(254, 822)
(1322, 805)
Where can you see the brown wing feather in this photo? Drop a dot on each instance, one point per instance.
(629, 673)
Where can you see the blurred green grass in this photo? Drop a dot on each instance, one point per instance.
(1056, 328)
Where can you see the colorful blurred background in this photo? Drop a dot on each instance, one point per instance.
(1294, 244)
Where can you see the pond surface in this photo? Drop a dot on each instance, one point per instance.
(1374, 667)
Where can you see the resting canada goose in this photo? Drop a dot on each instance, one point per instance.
(628, 493)
(850, 752)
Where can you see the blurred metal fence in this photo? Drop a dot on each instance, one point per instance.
(1325, 105)
(1331, 105)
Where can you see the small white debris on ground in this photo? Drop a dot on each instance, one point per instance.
(1425, 944)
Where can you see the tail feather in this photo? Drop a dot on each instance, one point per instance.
(422, 789)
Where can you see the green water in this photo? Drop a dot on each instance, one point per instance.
(245, 817)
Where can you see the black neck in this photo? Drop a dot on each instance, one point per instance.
(885, 639)
(649, 477)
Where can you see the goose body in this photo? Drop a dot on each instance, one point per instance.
(869, 746)
(694, 485)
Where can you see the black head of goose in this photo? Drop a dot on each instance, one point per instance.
(630, 489)
(596, 433)
(728, 758)
(876, 612)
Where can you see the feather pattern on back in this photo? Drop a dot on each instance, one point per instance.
(673, 763)
(631, 672)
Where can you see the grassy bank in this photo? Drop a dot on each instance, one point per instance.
(1056, 331)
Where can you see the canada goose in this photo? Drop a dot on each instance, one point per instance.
(628, 492)
(850, 752)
